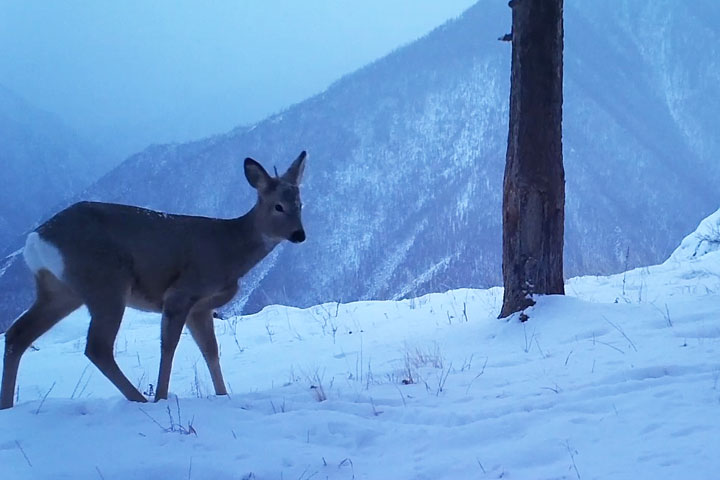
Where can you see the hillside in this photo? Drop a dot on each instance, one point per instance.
(43, 163)
(403, 184)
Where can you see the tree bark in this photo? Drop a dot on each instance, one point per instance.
(534, 184)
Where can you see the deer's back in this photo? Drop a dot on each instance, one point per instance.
(152, 248)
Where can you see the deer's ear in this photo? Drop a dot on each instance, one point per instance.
(256, 175)
(295, 172)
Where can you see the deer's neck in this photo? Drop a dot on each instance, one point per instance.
(249, 244)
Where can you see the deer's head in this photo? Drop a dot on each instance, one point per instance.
(278, 207)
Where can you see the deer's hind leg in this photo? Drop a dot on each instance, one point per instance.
(54, 301)
(200, 324)
(106, 305)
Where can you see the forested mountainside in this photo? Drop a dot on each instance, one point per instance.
(42, 162)
(403, 185)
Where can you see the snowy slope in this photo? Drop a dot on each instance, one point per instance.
(704, 240)
(620, 379)
(694, 268)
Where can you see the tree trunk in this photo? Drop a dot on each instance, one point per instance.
(534, 185)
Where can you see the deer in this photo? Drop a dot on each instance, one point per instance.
(109, 256)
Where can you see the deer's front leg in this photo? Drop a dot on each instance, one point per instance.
(176, 307)
(202, 328)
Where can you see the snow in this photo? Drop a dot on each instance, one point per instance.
(705, 239)
(618, 379)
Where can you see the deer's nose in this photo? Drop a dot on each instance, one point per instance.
(298, 236)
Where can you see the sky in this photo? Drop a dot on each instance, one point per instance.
(127, 74)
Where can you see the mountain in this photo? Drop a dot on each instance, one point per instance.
(403, 185)
(43, 162)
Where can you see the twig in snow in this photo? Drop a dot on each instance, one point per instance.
(280, 408)
(555, 389)
(667, 316)
(402, 397)
(572, 453)
(317, 386)
(345, 462)
(151, 418)
(376, 412)
(174, 427)
(442, 380)
(537, 343)
(80, 379)
(44, 398)
(528, 341)
(195, 386)
(23, 453)
(625, 270)
(621, 332)
(270, 331)
(467, 363)
(611, 346)
(309, 476)
(369, 377)
(482, 370)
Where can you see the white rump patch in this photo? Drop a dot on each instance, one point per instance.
(40, 254)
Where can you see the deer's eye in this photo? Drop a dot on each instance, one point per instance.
(279, 208)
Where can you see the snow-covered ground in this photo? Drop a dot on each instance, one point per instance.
(619, 379)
